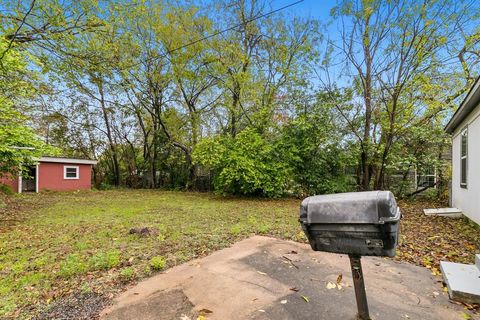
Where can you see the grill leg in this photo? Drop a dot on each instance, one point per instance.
(359, 285)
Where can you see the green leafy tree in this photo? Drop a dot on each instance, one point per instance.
(19, 144)
(246, 164)
(313, 144)
(397, 55)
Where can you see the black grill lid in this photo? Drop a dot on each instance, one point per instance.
(373, 207)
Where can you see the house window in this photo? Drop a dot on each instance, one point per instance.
(71, 172)
(463, 158)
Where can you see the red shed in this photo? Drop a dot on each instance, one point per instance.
(56, 174)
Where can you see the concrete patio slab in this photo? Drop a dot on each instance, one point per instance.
(265, 278)
(463, 281)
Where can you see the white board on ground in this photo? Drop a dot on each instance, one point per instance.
(443, 212)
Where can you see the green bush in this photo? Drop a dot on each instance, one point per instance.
(303, 157)
(157, 263)
(105, 186)
(401, 189)
(318, 162)
(247, 164)
(431, 194)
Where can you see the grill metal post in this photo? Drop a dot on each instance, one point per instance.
(359, 285)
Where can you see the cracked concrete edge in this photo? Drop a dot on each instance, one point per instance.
(184, 274)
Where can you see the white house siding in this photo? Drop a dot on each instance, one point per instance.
(468, 200)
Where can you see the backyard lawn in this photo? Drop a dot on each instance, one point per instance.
(55, 246)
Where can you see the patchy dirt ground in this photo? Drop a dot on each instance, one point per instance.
(59, 250)
(79, 306)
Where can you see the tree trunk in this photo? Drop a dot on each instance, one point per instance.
(111, 141)
(365, 156)
(233, 115)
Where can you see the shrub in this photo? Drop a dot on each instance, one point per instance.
(157, 263)
(431, 194)
(247, 164)
(105, 186)
(318, 162)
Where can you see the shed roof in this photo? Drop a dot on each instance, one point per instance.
(468, 104)
(67, 160)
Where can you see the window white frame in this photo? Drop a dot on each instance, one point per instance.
(77, 168)
(464, 158)
(424, 176)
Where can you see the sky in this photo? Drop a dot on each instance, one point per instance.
(319, 9)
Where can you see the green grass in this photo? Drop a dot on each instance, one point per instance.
(127, 274)
(66, 242)
(54, 244)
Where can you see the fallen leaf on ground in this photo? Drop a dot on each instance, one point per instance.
(339, 278)
(435, 272)
(452, 240)
(305, 298)
(205, 311)
(331, 285)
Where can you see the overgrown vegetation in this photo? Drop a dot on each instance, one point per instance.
(57, 245)
(18, 141)
(291, 105)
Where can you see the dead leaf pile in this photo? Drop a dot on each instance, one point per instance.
(427, 240)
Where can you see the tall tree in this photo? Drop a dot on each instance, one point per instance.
(391, 49)
(19, 144)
